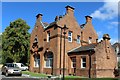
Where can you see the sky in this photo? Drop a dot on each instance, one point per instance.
(105, 14)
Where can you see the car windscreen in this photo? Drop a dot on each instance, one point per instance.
(22, 65)
(11, 65)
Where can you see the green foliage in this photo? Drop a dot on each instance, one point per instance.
(15, 41)
(34, 74)
(119, 64)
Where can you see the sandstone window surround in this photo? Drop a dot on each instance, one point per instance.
(36, 61)
(83, 62)
(70, 36)
(48, 36)
(36, 39)
(49, 61)
(89, 40)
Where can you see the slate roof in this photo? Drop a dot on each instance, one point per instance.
(114, 46)
(83, 48)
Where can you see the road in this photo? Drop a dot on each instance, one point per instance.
(23, 77)
(3, 77)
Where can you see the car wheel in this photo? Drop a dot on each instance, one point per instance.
(20, 74)
(6, 74)
(2, 73)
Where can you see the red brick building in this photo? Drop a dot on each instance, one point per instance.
(84, 56)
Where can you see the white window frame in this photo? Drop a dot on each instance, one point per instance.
(117, 50)
(48, 36)
(78, 39)
(70, 36)
(73, 62)
(82, 62)
(36, 62)
(89, 40)
(49, 59)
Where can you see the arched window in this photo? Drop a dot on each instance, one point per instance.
(36, 60)
(49, 60)
(36, 39)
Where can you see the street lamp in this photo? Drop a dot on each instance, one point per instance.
(60, 50)
(90, 64)
(64, 32)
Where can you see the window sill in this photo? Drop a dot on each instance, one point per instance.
(83, 68)
(73, 67)
(36, 67)
(47, 67)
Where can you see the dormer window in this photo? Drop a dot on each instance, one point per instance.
(78, 39)
(48, 36)
(69, 36)
(89, 40)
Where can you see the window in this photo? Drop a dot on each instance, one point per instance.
(78, 39)
(73, 62)
(117, 50)
(48, 36)
(36, 39)
(36, 61)
(83, 62)
(89, 40)
(69, 36)
(49, 61)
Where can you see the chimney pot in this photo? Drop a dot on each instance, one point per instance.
(39, 17)
(56, 18)
(88, 18)
(106, 37)
(69, 10)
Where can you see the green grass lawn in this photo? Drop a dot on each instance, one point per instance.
(66, 77)
(34, 74)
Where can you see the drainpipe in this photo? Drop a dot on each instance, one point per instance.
(60, 49)
(90, 64)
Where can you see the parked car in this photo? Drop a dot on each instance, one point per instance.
(10, 69)
(22, 66)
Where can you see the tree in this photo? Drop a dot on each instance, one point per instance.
(15, 41)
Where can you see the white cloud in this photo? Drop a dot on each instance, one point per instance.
(100, 39)
(99, 33)
(115, 23)
(108, 11)
(113, 41)
(111, 0)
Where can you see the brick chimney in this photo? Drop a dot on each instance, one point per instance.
(69, 10)
(39, 17)
(88, 19)
(106, 37)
